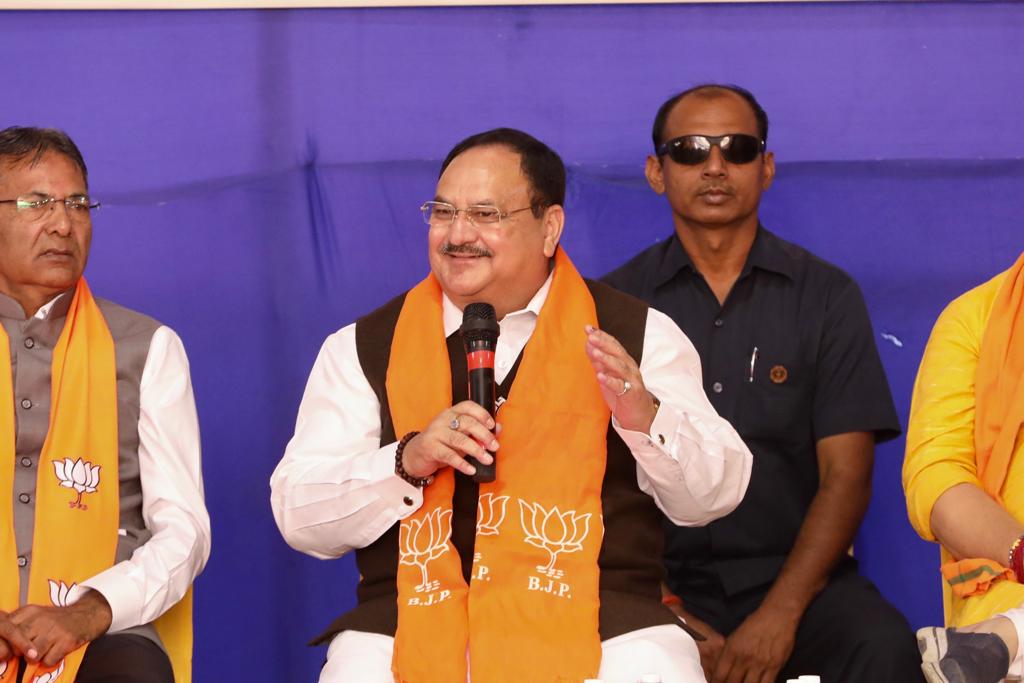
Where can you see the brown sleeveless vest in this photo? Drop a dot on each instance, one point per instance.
(630, 558)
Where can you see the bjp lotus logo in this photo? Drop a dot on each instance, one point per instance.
(490, 513)
(50, 676)
(423, 540)
(554, 531)
(79, 475)
(59, 592)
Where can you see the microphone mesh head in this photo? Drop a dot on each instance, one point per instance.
(479, 323)
(478, 310)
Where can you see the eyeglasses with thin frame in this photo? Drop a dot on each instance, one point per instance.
(437, 214)
(36, 206)
(690, 150)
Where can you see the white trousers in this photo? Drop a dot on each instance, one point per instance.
(665, 650)
(1016, 617)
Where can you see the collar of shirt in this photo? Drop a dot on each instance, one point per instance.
(516, 328)
(57, 306)
(766, 253)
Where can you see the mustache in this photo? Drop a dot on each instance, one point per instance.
(467, 249)
(715, 187)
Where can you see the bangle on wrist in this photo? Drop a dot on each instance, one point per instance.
(418, 482)
(1016, 559)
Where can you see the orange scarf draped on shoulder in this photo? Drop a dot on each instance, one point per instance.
(529, 611)
(999, 415)
(77, 506)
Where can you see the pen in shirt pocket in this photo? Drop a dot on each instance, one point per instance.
(753, 361)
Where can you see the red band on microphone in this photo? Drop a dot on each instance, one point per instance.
(478, 360)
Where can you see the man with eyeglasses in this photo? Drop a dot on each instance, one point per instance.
(552, 571)
(105, 526)
(789, 359)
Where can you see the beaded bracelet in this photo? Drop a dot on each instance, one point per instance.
(1016, 562)
(418, 482)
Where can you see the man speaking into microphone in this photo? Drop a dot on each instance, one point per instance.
(552, 571)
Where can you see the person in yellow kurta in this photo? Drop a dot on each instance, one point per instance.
(964, 480)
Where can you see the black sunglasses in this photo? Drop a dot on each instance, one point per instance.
(690, 150)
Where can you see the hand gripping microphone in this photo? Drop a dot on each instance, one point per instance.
(480, 337)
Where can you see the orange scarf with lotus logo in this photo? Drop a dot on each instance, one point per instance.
(530, 610)
(76, 506)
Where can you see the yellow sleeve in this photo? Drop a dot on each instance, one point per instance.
(940, 433)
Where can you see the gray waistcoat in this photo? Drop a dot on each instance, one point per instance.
(31, 343)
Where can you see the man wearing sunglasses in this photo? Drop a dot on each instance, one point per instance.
(104, 526)
(789, 359)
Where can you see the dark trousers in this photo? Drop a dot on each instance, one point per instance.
(849, 634)
(124, 658)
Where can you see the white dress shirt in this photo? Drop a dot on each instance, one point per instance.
(336, 489)
(160, 571)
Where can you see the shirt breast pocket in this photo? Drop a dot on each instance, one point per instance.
(775, 406)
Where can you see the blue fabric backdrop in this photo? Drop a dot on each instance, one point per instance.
(262, 170)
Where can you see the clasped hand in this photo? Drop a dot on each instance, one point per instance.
(47, 634)
(754, 653)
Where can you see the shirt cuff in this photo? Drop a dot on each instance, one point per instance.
(656, 443)
(400, 496)
(118, 590)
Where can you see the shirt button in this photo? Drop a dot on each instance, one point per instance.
(716, 387)
(661, 439)
(22, 561)
(24, 498)
(719, 322)
(29, 342)
(26, 462)
(407, 500)
(26, 403)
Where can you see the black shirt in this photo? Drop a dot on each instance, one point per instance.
(789, 358)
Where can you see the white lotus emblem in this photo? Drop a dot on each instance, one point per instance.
(50, 676)
(554, 531)
(59, 592)
(423, 540)
(79, 475)
(490, 513)
(3, 668)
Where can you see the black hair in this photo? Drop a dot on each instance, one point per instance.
(540, 164)
(665, 109)
(22, 142)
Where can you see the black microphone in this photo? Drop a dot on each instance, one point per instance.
(480, 337)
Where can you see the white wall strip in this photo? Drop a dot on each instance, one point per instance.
(297, 4)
